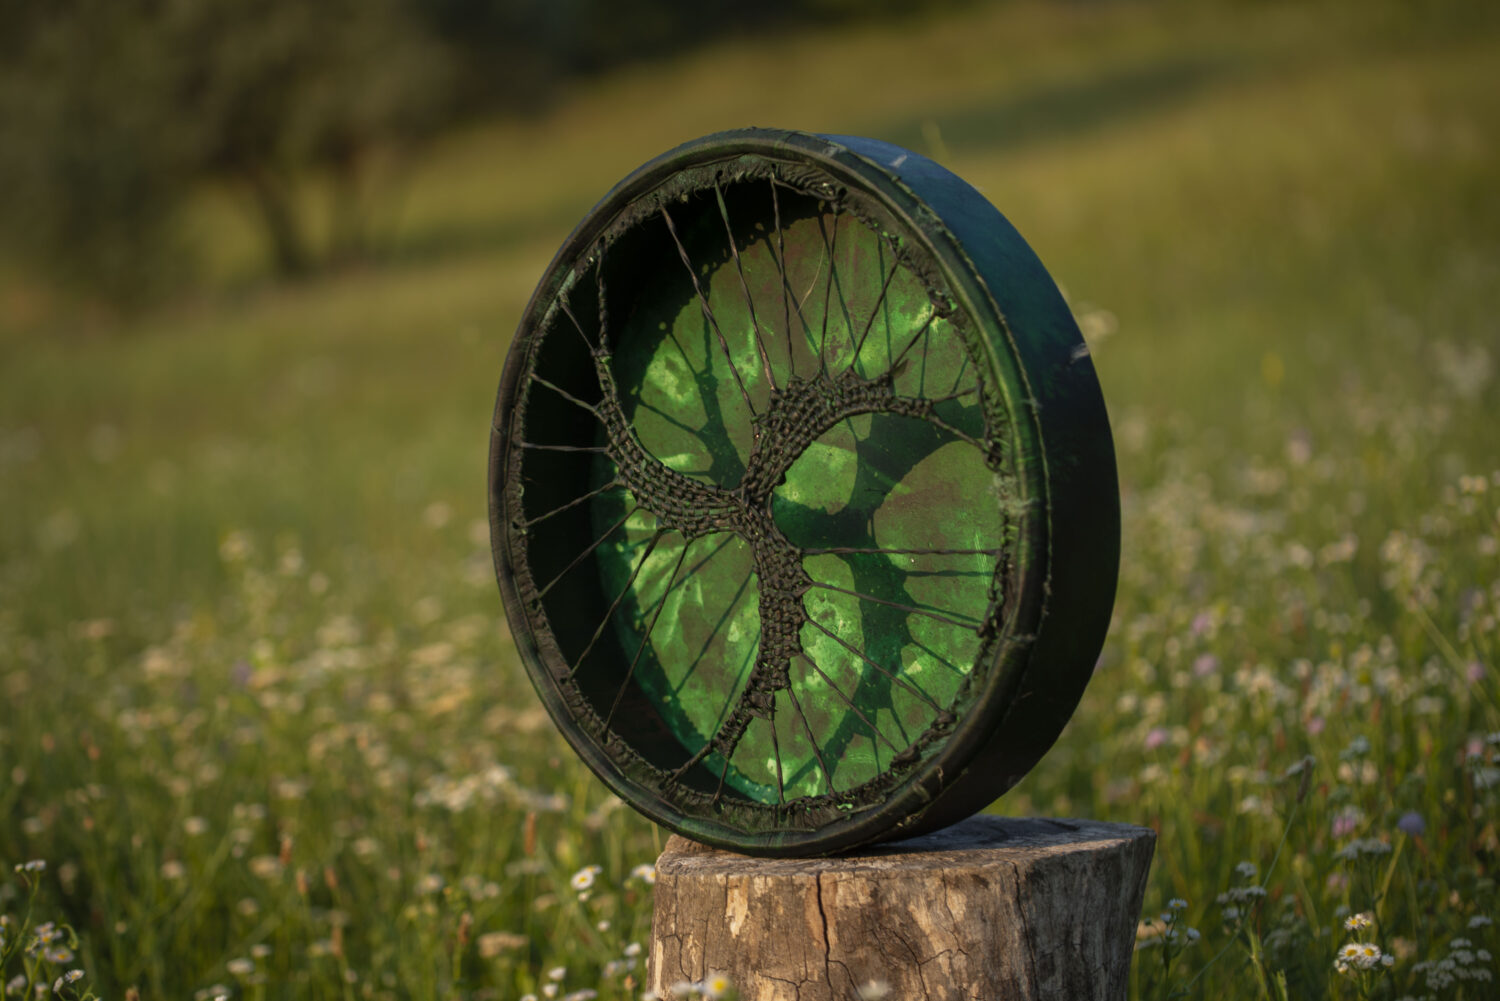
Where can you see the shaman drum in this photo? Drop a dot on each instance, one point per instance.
(802, 495)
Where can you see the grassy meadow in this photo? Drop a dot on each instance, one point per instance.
(262, 730)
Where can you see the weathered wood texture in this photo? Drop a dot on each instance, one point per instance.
(992, 908)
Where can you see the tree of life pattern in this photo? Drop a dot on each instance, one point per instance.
(765, 491)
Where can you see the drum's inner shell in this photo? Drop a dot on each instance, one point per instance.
(763, 343)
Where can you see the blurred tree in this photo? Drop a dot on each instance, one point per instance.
(511, 50)
(504, 54)
(111, 109)
(90, 163)
(272, 88)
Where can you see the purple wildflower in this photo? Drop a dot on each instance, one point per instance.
(1411, 823)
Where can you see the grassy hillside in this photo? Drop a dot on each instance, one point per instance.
(257, 709)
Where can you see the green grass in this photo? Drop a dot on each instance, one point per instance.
(256, 698)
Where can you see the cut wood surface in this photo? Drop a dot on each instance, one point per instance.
(992, 908)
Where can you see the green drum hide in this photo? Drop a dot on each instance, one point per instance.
(802, 495)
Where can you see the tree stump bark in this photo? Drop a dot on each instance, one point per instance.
(991, 908)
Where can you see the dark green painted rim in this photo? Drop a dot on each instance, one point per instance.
(1065, 542)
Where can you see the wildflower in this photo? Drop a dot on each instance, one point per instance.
(436, 514)
(528, 997)
(35, 865)
(874, 990)
(557, 973)
(492, 944)
(235, 547)
(716, 985)
(1155, 738)
(645, 872)
(584, 878)
(240, 967)
(1347, 821)
(1358, 748)
(1412, 824)
(1176, 904)
(1363, 846)
(1479, 921)
(634, 948)
(1356, 957)
(586, 994)
(71, 977)
(266, 867)
(1246, 870)
(1299, 766)
(1358, 922)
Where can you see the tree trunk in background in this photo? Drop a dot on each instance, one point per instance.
(275, 203)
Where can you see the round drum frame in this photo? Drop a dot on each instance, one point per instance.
(803, 500)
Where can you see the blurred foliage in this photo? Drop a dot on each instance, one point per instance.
(510, 51)
(112, 110)
(87, 158)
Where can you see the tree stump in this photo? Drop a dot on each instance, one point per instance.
(991, 908)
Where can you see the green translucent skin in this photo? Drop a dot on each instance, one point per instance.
(893, 633)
